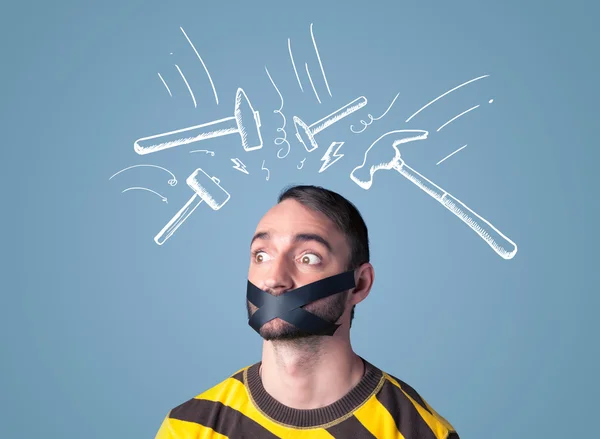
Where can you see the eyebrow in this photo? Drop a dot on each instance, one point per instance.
(299, 237)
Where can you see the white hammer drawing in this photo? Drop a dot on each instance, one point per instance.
(384, 154)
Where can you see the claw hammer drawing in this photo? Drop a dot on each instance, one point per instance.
(384, 154)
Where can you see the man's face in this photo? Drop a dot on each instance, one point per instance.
(294, 246)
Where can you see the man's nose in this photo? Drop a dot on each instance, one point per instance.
(278, 277)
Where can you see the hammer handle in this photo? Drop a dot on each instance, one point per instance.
(159, 142)
(178, 219)
(495, 239)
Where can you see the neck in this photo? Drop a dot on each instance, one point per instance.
(312, 373)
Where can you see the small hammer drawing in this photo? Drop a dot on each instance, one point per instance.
(390, 159)
(207, 189)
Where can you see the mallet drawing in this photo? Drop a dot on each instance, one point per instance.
(306, 134)
(245, 121)
(207, 189)
(389, 158)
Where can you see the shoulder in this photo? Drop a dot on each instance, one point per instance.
(203, 408)
(232, 383)
(403, 401)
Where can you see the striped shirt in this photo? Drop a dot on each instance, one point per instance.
(379, 406)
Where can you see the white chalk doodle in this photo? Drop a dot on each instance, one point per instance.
(456, 117)
(239, 165)
(319, 58)
(371, 118)
(312, 83)
(245, 122)
(279, 140)
(294, 64)
(301, 165)
(147, 190)
(171, 182)
(212, 153)
(444, 94)
(330, 156)
(306, 134)
(187, 85)
(450, 155)
(265, 169)
(207, 189)
(165, 83)
(384, 154)
(203, 65)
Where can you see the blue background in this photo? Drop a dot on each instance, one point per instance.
(103, 331)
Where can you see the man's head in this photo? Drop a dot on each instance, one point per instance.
(310, 234)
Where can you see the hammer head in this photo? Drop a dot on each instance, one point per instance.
(208, 189)
(304, 134)
(384, 154)
(248, 122)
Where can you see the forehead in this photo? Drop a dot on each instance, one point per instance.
(290, 217)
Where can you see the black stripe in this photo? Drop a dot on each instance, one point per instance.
(411, 392)
(405, 414)
(239, 376)
(453, 435)
(350, 428)
(221, 418)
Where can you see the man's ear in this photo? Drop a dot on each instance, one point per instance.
(364, 276)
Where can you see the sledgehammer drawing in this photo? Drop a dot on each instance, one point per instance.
(245, 121)
(207, 189)
(389, 158)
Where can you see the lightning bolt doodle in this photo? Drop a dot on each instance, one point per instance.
(327, 157)
(239, 165)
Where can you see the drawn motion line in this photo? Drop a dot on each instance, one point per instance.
(450, 155)
(172, 182)
(319, 58)
(456, 117)
(371, 118)
(188, 85)
(203, 65)
(280, 140)
(311, 83)
(388, 149)
(163, 81)
(446, 93)
(327, 157)
(146, 189)
(294, 64)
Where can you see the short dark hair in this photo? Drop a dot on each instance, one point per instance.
(342, 213)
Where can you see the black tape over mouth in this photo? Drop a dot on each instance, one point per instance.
(287, 306)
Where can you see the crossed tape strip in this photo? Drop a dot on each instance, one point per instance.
(287, 306)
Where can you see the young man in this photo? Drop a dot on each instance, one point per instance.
(309, 267)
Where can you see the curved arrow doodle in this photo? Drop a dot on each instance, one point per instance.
(172, 182)
(146, 189)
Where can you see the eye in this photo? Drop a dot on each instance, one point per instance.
(260, 256)
(310, 259)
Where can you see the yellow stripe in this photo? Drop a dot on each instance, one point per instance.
(440, 418)
(438, 428)
(177, 429)
(374, 416)
(232, 393)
